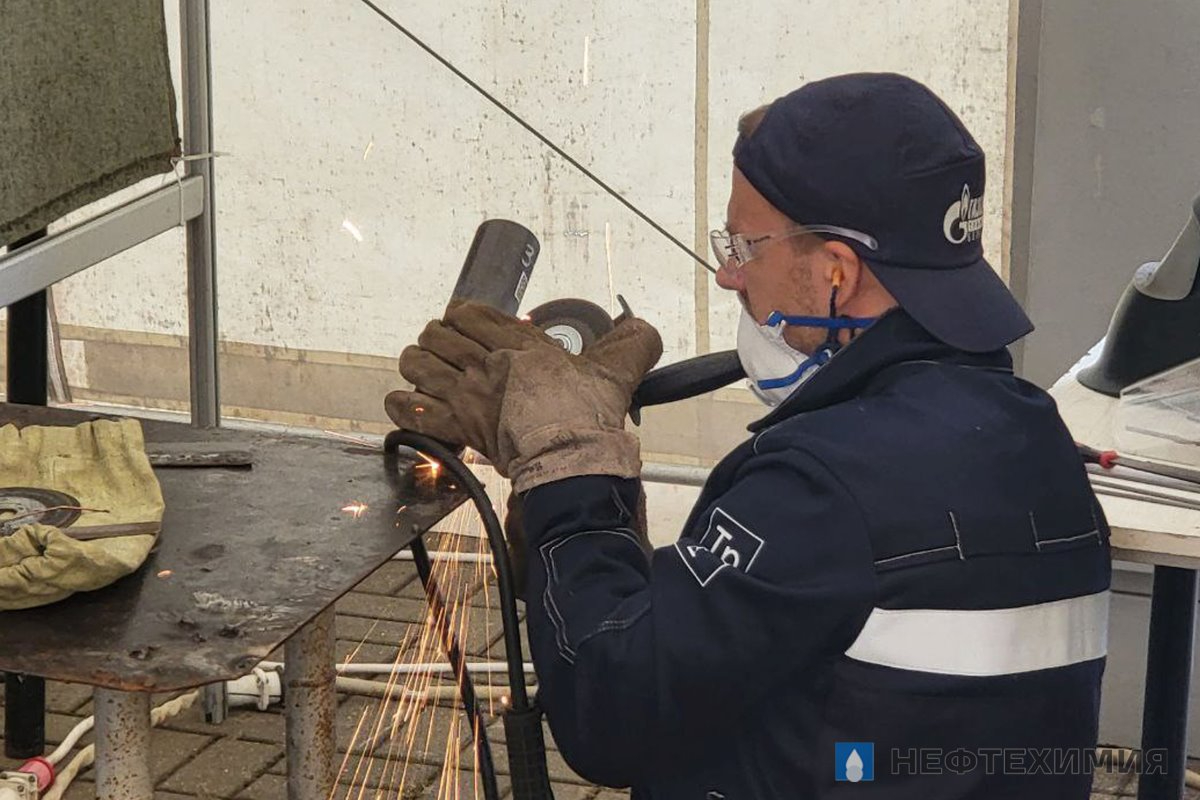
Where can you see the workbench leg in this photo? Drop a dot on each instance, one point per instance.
(25, 695)
(1168, 682)
(122, 745)
(310, 697)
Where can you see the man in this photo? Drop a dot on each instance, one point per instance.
(898, 587)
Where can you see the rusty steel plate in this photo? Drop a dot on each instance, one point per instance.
(246, 557)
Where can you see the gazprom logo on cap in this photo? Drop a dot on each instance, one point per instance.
(854, 761)
(964, 218)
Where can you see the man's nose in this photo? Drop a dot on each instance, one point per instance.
(732, 279)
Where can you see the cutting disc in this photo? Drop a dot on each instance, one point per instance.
(573, 323)
(22, 505)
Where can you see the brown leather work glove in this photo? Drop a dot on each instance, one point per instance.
(495, 383)
(456, 394)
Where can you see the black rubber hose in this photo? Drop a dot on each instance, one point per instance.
(522, 720)
(466, 689)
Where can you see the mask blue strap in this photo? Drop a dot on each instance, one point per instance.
(816, 360)
(833, 324)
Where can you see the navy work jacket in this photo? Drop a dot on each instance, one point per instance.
(898, 588)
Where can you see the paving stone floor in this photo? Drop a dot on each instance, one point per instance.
(243, 758)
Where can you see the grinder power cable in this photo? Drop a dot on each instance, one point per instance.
(496, 272)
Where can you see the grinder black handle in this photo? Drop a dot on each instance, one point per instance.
(527, 754)
(498, 265)
(685, 379)
(496, 270)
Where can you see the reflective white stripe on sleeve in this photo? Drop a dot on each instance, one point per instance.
(999, 641)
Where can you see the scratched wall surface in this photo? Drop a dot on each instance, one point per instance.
(330, 116)
(359, 168)
(761, 49)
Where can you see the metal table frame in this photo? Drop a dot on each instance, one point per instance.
(26, 271)
(1168, 680)
(123, 724)
(37, 262)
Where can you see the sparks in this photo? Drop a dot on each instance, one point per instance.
(355, 510)
(352, 229)
(433, 465)
(367, 151)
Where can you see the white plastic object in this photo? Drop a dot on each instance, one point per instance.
(1158, 418)
(18, 786)
(261, 689)
(68, 744)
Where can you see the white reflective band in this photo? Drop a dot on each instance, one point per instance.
(999, 641)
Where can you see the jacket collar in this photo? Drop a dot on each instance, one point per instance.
(894, 339)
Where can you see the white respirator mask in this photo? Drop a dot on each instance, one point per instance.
(774, 368)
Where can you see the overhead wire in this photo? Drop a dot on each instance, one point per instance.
(541, 137)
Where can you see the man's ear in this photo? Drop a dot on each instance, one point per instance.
(844, 268)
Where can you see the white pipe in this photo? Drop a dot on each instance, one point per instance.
(261, 688)
(422, 669)
(358, 686)
(677, 474)
(448, 555)
(68, 744)
(411, 669)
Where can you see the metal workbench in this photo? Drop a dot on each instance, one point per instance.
(247, 560)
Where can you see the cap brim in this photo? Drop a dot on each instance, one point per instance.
(969, 307)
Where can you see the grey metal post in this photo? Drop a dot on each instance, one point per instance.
(201, 233)
(309, 696)
(122, 745)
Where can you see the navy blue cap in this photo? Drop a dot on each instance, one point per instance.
(883, 155)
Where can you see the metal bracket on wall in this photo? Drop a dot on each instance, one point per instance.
(47, 261)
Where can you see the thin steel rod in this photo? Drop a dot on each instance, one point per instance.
(541, 137)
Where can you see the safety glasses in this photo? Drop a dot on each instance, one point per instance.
(735, 250)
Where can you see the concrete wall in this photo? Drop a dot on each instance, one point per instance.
(1108, 112)
(359, 168)
(333, 118)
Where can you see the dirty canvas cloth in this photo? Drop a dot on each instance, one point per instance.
(89, 508)
(87, 106)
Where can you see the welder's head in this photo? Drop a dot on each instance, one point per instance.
(777, 265)
(869, 183)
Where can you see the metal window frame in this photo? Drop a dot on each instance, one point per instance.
(35, 267)
(48, 261)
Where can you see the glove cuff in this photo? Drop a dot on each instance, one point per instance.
(554, 453)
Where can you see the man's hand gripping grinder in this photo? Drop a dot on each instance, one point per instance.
(496, 272)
